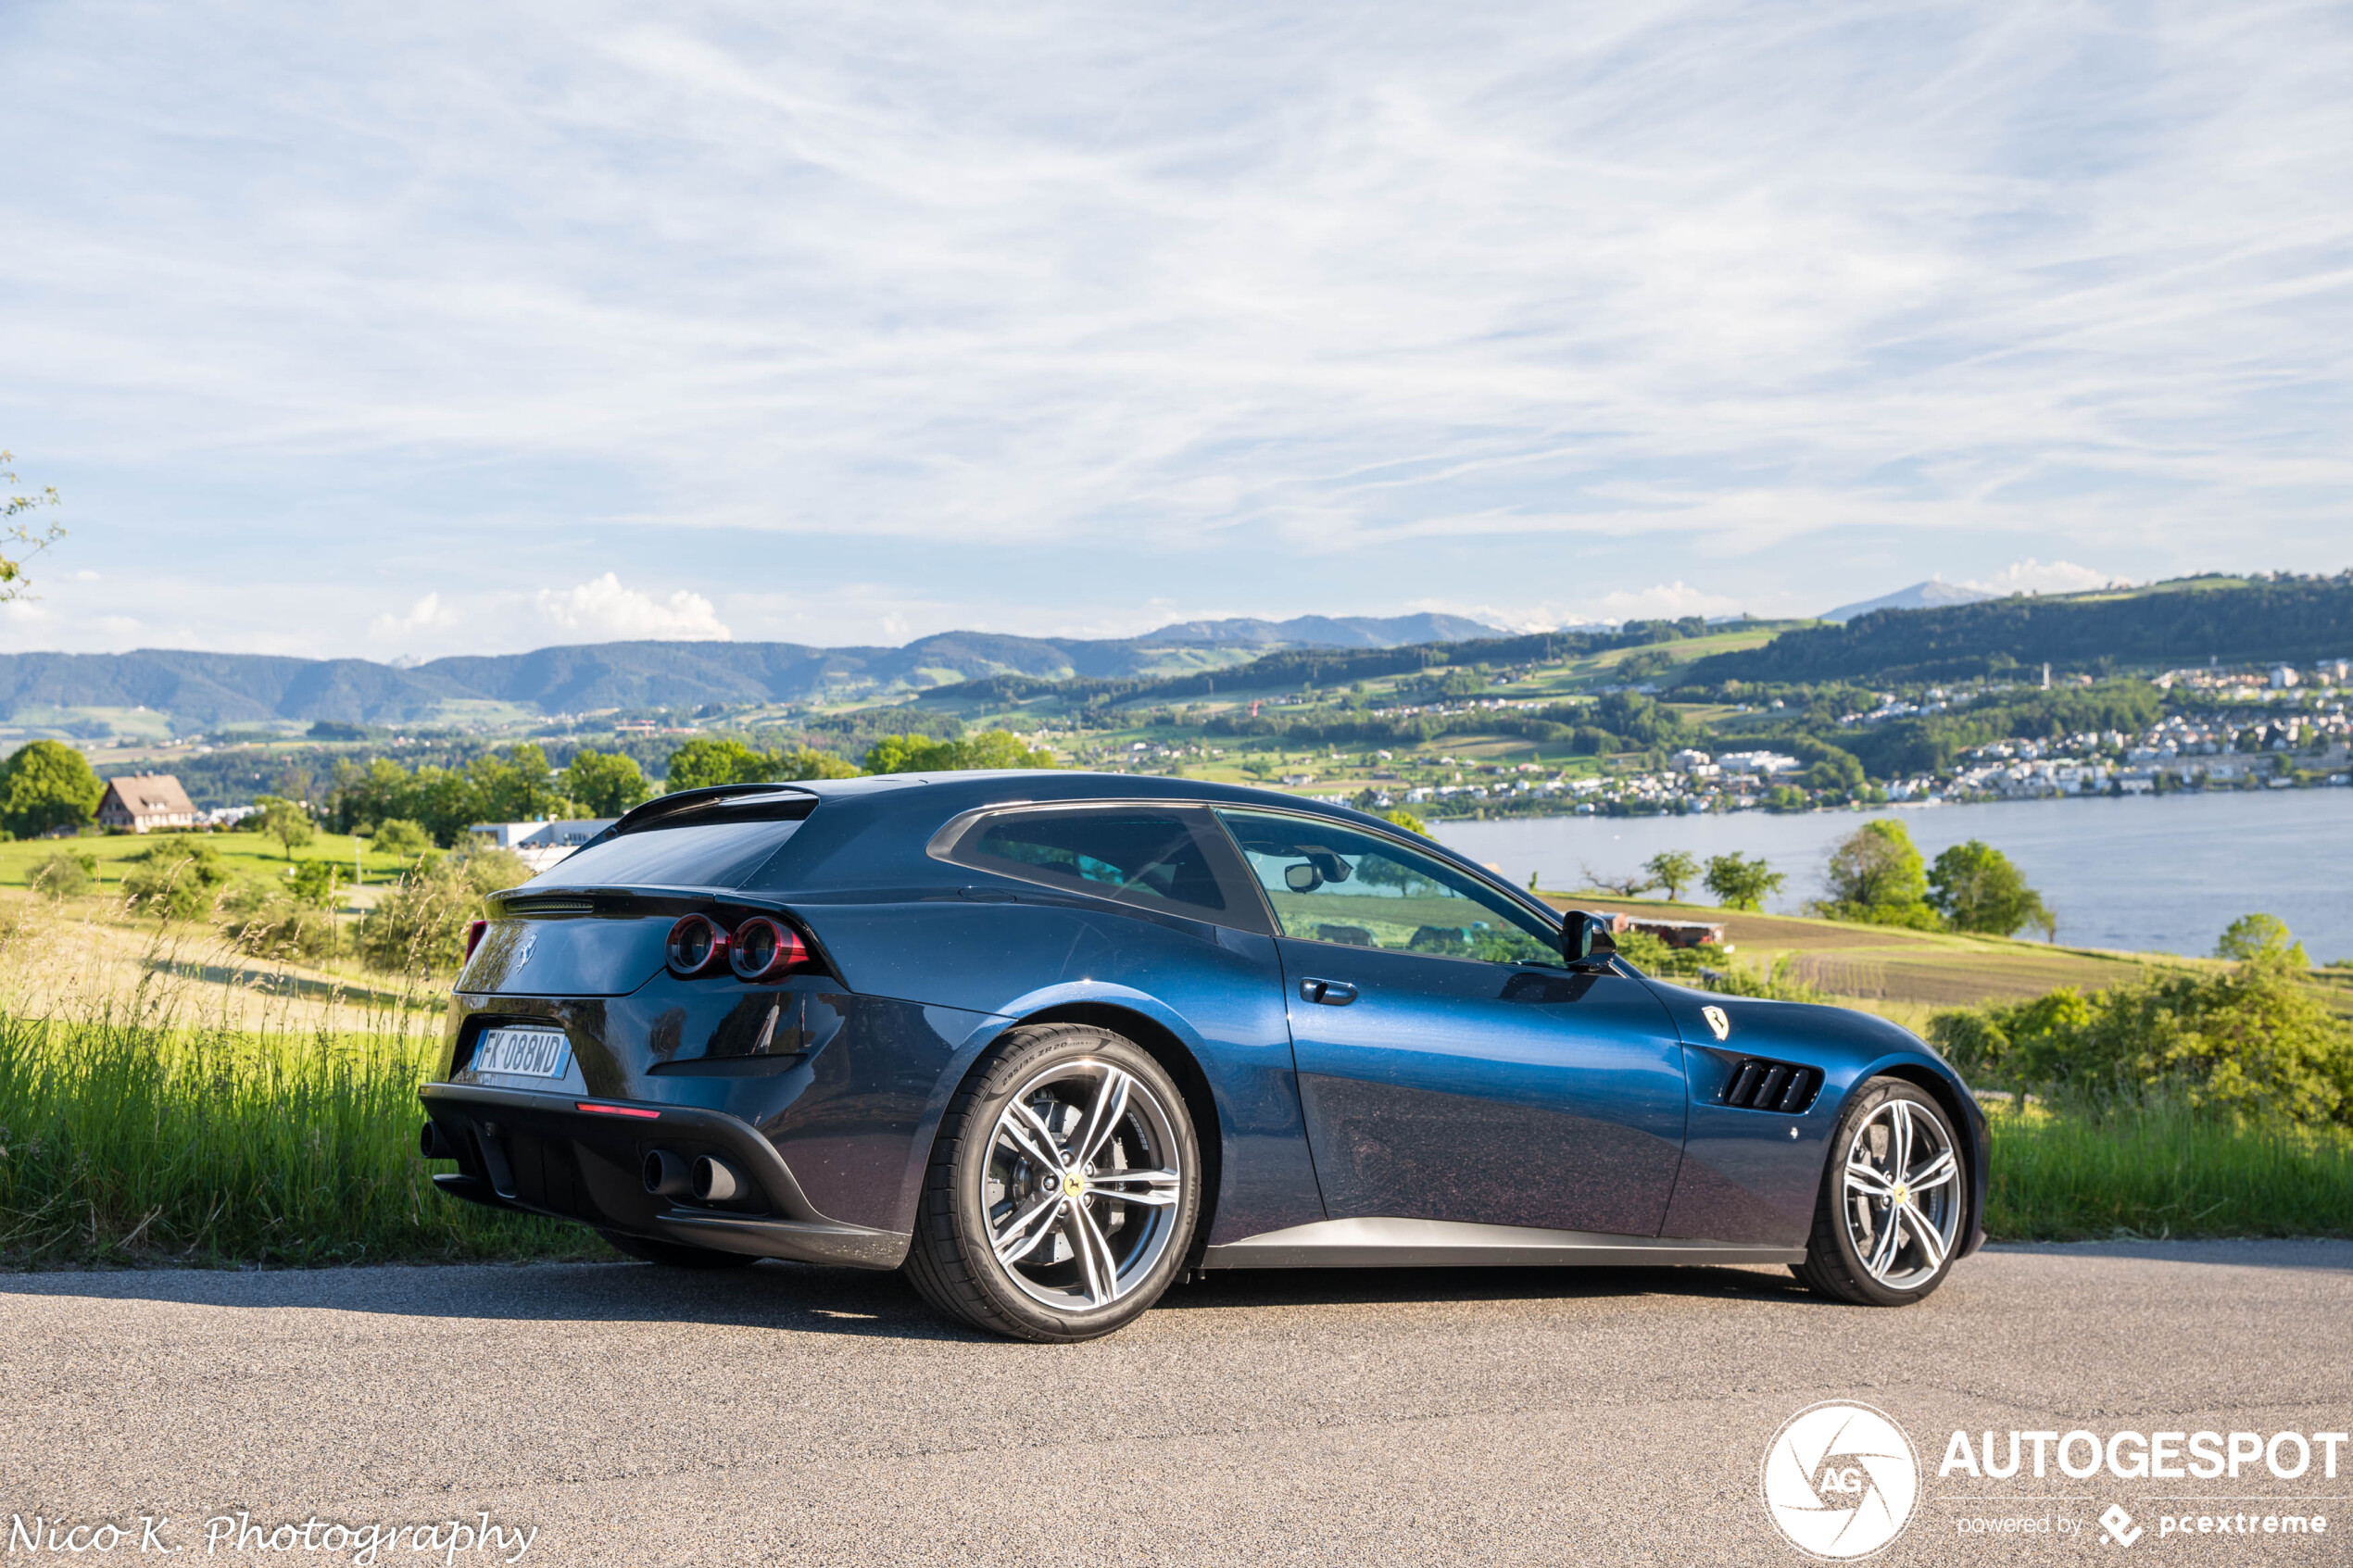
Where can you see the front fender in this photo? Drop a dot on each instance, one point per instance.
(1751, 1175)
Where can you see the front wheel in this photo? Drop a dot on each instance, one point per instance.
(1062, 1190)
(1893, 1200)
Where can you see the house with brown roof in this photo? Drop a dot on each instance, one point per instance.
(145, 803)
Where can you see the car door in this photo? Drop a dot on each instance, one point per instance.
(1451, 1066)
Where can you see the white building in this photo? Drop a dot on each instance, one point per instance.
(542, 844)
(1757, 762)
(2284, 676)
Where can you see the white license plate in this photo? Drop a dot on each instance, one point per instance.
(526, 1053)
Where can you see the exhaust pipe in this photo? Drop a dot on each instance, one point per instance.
(433, 1143)
(715, 1180)
(667, 1176)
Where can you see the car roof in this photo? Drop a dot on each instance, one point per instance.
(932, 798)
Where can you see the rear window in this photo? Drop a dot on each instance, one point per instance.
(701, 853)
(1154, 858)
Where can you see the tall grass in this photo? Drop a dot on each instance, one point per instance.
(2147, 1167)
(131, 1132)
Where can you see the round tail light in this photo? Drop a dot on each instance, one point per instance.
(764, 949)
(696, 945)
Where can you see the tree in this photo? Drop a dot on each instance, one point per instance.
(26, 542)
(711, 759)
(2264, 940)
(922, 754)
(1412, 823)
(603, 785)
(47, 785)
(808, 762)
(516, 787)
(1975, 888)
(1673, 869)
(1876, 876)
(281, 820)
(1741, 883)
(1622, 887)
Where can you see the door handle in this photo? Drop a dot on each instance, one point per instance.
(1331, 993)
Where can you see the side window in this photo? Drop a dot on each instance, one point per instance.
(1329, 883)
(1154, 858)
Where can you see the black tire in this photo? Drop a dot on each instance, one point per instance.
(676, 1254)
(1833, 1267)
(951, 1262)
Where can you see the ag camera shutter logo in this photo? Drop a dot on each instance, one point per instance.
(1840, 1480)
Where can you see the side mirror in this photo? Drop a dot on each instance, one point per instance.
(1302, 878)
(1586, 938)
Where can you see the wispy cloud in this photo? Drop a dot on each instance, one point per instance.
(1795, 304)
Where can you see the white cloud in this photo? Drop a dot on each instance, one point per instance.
(601, 609)
(427, 614)
(85, 575)
(2031, 576)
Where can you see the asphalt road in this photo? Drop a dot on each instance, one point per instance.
(789, 1415)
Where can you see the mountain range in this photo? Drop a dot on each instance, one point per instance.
(209, 690)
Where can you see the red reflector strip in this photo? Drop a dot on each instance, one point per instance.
(617, 1111)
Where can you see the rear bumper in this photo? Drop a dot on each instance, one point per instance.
(542, 1154)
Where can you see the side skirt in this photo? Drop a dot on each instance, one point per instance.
(1433, 1244)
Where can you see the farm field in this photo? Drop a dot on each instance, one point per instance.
(1907, 975)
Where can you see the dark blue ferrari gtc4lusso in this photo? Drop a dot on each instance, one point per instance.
(1049, 1040)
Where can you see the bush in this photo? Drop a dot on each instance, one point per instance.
(400, 836)
(419, 927)
(175, 878)
(2248, 1042)
(314, 882)
(267, 924)
(64, 874)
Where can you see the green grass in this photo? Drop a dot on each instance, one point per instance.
(2155, 1171)
(247, 855)
(127, 1138)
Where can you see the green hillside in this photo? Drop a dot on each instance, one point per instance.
(2189, 622)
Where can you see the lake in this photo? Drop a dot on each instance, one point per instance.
(2161, 873)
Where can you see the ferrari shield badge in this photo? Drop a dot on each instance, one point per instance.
(1716, 1023)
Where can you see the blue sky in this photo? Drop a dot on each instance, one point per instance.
(442, 328)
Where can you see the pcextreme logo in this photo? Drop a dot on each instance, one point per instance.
(1839, 1480)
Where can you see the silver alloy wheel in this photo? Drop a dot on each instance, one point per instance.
(1903, 1194)
(1081, 1186)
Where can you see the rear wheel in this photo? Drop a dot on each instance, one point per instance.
(676, 1254)
(1062, 1190)
(1893, 1202)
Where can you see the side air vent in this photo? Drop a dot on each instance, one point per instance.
(1779, 1087)
(550, 906)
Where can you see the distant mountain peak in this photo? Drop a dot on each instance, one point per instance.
(1934, 594)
